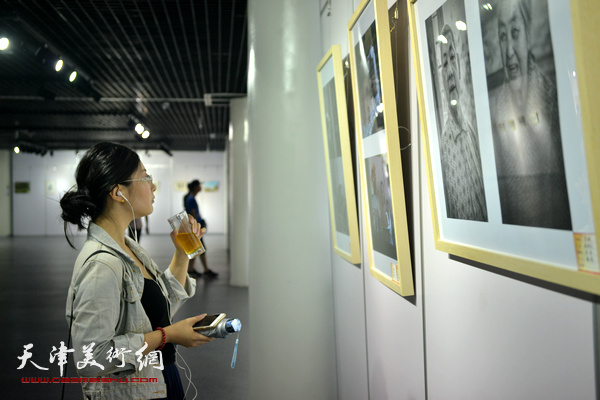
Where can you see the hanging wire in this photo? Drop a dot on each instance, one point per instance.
(409, 141)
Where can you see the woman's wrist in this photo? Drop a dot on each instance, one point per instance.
(180, 259)
(169, 333)
(164, 338)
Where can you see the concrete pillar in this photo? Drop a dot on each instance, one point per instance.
(238, 195)
(290, 292)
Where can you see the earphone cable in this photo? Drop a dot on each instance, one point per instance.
(133, 215)
(188, 374)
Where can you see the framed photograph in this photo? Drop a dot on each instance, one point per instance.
(22, 187)
(180, 186)
(210, 186)
(50, 188)
(338, 156)
(378, 143)
(510, 138)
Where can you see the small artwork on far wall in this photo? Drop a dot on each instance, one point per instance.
(22, 187)
(180, 186)
(210, 186)
(50, 187)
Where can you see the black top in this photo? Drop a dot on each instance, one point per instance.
(156, 308)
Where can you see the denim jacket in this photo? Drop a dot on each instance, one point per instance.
(105, 302)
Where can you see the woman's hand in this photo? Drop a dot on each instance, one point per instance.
(183, 333)
(198, 231)
(196, 227)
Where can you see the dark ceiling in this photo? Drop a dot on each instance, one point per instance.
(172, 65)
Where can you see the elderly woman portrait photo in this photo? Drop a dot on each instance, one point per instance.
(521, 81)
(458, 137)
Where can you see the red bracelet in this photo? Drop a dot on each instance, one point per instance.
(164, 338)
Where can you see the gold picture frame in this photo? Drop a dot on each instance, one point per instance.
(338, 156)
(538, 151)
(378, 143)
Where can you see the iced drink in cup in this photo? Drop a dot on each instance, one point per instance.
(185, 235)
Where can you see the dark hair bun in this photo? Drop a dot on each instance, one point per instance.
(77, 206)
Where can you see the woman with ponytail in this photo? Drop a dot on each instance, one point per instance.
(120, 304)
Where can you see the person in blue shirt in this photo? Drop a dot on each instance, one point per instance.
(191, 207)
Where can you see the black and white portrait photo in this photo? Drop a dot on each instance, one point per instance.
(369, 83)
(521, 79)
(460, 154)
(335, 159)
(380, 205)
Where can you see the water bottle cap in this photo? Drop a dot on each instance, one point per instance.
(236, 324)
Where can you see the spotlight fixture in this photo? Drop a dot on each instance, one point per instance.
(4, 43)
(59, 65)
(138, 125)
(39, 46)
(17, 150)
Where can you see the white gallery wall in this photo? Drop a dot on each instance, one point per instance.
(37, 212)
(5, 193)
(471, 332)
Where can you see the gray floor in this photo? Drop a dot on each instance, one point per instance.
(34, 276)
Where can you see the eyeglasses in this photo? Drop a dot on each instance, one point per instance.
(145, 179)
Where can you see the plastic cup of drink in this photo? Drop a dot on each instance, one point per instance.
(185, 235)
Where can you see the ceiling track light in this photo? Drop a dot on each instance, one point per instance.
(139, 128)
(4, 43)
(36, 45)
(28, 147)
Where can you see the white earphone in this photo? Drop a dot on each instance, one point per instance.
(121, 194)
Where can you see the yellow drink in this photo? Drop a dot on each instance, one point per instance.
(190, 243)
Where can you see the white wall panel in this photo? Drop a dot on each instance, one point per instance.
(495, 337)
(5, 193)
(204, 166)
(29, 211)
(50, 176)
